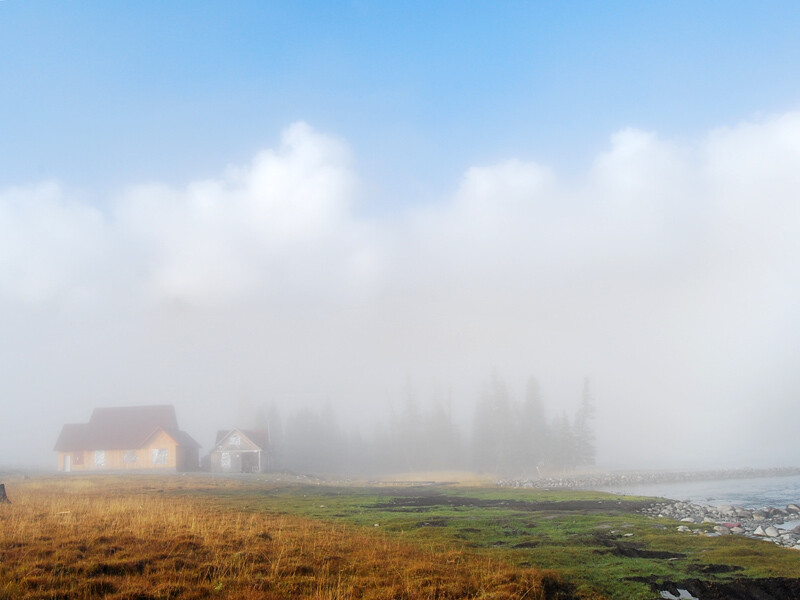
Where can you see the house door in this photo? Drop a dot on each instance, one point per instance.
(67, 463)
(249, 462)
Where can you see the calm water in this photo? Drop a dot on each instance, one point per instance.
(747, 493)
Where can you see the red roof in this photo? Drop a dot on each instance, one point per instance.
(121, 428)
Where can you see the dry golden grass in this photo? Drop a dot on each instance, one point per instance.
(128, 539)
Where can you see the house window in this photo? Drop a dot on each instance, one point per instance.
(77, 458)
(129, 457)
(159, 456)
(99, 458)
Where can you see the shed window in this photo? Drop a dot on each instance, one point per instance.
(129, 457)
(159, 456)
(99, 458)
(225, 460)
(77, 458)
(236, 440)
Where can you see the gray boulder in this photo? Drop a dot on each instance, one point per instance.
(772, 532)
(722, 530)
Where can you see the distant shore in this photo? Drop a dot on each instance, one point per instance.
(633, 478)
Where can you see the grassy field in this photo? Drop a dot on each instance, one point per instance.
(144, 537)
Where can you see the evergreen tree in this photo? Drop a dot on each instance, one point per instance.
(441, 444)
(492, 430)
(411, 430)
(532, 430)
(562, 450)
(584, 428)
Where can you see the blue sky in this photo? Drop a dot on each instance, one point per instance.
(101, 94)
(235, 203)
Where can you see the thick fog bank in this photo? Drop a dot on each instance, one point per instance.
(667, 272)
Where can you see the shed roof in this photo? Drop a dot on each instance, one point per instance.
(121, 428)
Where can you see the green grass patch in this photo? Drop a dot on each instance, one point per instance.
(598, 541)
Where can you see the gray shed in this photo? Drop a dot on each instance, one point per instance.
(240, 451)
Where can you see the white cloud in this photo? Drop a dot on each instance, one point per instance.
(276, 222)
(668, 273)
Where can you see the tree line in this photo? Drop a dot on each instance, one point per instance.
(506, 436)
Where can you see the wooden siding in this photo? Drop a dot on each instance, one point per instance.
(147, 458)
(237, 461)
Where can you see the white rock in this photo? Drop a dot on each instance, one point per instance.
(688, 519)
(759, 531)
(772, 532)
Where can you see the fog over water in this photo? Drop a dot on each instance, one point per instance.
(666, 271)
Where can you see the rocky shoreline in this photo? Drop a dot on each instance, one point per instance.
(768, 523)
(765, 524)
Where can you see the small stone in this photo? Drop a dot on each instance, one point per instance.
(688, 520)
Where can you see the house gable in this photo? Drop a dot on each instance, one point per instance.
(236, 440)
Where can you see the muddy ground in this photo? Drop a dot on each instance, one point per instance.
(775, 588)
(424, 503)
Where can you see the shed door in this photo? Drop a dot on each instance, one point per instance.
(67, 463)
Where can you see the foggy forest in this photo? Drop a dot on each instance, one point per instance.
(505, 436)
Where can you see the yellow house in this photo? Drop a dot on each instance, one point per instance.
(127, 438)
